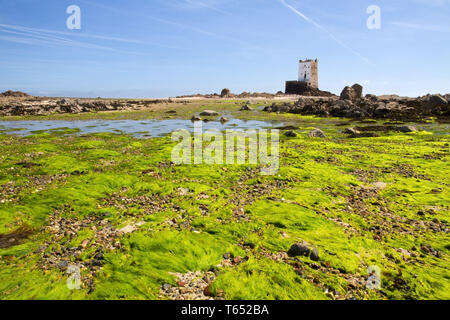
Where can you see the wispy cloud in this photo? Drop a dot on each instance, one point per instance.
(54, 38)
(208, 4)
(434, 3)
(332, 36)
(424, 27)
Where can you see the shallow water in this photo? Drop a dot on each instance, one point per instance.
(137, 128)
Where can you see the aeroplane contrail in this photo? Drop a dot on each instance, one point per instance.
(332, 36)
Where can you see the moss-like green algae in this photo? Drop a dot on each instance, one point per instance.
(324, 201)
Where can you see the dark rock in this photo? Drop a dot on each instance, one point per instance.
(225, 93)
(359, 90)
(196, 118)
(15, 94)
(290, 134)
(314, 254)
(438, 101)
(299, 249)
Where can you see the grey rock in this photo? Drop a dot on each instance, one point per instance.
(209, 113)
(317, 133)
(406, 129)
(351, 131)
(166, 287)
(63, 265)
(353, 93)
(348, 93)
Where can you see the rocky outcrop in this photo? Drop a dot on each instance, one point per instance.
(353, 93)
(44, 106)
(16, 94)
(352, 104)
(225, 93)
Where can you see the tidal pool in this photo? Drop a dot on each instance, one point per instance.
(137, 128)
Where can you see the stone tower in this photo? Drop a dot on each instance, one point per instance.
(308, 72)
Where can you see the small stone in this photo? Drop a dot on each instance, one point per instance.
(380, 185)
(85, 243)
(127, 229)
(237, 260)
(196, 118)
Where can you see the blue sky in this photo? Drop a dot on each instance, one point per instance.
(161, 48)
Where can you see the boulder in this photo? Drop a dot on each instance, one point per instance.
(304, 249)
(225, 93)
(438, 101)
(209, 113)
(348, 93)
(290, 134)
(317, 133)
(246, 108)
(351, 131)
(407, 129)
(299, 249)
(196, 118)
(359, 90)
(353, 93)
